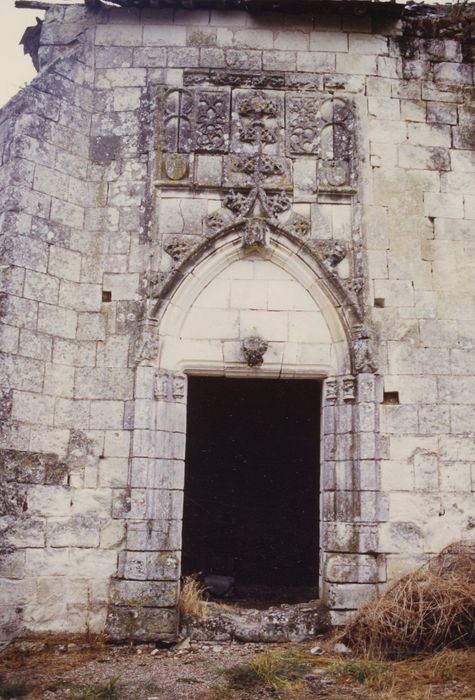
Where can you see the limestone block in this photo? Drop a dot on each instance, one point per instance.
(434, 419)
(429, 134)
(71, 413)
(368, 44)
(397, 475)
(412, 507)
(423, 157)
(91, 326)
(9, 337)
(113, 352)
(107, 415)
(459, 73)
(113, 472)
(279, 60)
(104, 383)
(117, 443)
(356, 64)
(462, 419)
(441, 113)
(446, 205)
(149, 594)
(142, 624)
(155, 535)
(462, 160)
(118, 35)
(64, 263)
(33, 408)
(413, 110)
(354, 568)
(112, 534)
(120, 77)
(318, 62)
(212, 58)
(45, 439)
(456, 390)
(12, 566)
(20, 312)
(22, 373)
(93, 563)
(72, 532)
(35, 345)
(201, 36)
(74, 353)
(238, 58)
(162, 35)
(401, 536)
(41, 287)
(348, 595)
(455, 476)
(183, 57)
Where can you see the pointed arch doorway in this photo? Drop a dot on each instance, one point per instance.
(226, 306)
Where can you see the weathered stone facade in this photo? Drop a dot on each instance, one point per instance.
(217, 192)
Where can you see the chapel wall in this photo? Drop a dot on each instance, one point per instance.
(96, 218)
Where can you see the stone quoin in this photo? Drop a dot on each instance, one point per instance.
(278, 193)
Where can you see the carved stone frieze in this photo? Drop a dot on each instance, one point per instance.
(235, 78)
(341, 390)
(254, 349)
(195, 120)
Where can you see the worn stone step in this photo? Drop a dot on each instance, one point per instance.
(281, 623)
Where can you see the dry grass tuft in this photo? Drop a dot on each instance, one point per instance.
(190, 602)
(426, 610)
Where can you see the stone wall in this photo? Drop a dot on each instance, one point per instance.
(118, 190)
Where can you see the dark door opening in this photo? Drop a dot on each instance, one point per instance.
(252, 481)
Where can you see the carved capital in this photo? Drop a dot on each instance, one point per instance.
(169, 386)
(331, 390)
(348, 389)
(254, 349)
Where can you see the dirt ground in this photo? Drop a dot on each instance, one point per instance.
(81, 669)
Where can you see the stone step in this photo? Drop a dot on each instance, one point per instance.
(281, 623)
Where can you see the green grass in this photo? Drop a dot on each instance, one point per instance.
(363, 671)
(12, 689)
(273, 669)
(101, 691)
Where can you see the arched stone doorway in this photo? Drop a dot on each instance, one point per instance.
(222, 296)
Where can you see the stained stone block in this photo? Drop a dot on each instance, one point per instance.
(142, 624)
(148, 594)
(155, 535)
(355, 568)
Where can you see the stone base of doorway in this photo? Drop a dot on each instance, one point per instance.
(131, 623)
(280, 623)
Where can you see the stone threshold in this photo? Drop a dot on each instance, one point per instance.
(279, 623)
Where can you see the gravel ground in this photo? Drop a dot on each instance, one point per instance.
(143, 673)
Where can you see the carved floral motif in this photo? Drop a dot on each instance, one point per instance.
(254, 349)
(212, 121)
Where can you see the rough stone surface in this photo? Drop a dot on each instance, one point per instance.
(172, 184)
